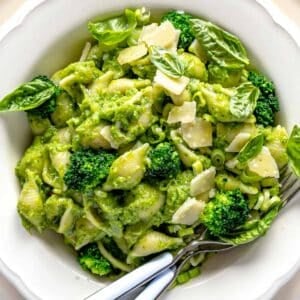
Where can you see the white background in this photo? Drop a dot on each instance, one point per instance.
(291, 291)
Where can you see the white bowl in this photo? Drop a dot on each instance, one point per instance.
(51, 36)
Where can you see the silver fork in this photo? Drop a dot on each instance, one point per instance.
(163, 270)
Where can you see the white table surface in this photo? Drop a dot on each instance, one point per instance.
(291, 291)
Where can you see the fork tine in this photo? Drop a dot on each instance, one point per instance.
(283, 170)
(288, 185)
(285, 176)
(291, 195)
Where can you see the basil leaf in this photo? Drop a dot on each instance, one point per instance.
(260, 229)
(243, 102)
(251, 149)
(30, 95)
(114, 30)
(221, 47)
(167, 62)
(293, 150)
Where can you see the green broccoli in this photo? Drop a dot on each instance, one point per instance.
(267, 103)
(164, 162)
(90, 259)
(225, 212)
(88, 168)
(181, 21)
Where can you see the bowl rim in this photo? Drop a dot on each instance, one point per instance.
(279, 19)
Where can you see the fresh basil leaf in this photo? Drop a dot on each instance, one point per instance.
(293, 150)
(260, 229)
(243, 102)
(251, 149)
(114, 30)
(30, 95)
(167, 62)
(221, 47)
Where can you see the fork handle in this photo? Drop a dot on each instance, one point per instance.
(154, 289)
(134, 279)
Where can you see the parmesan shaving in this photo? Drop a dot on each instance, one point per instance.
(147, 30)
(165, 35)
(172, 85)
(185, 113)
(188, 213)
(238, 142)
(203, 182)
(264, 164)
(197, 134)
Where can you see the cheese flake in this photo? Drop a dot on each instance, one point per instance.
(238, 142)
(188, 213)
(165, 35)
(197, 134)
(264, 164)
(172, 85)
(185, 113)
(203, 182)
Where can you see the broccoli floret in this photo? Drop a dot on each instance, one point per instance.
(164, 162)
(45, 109)
(90, 259)
(267, 103)
(181, 21)
(88, 168)
(264, 113)
(225, 212)
(260, 81)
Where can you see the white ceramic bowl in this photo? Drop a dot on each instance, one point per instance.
(50, 36)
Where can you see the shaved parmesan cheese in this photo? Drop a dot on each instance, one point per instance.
(197, 134)
(238, 142)
(264, 164)
(147, 30)
(185, 113)
(165, 35)
(131, 54)
(203, 182)
(188, 213)
(105, 132)
(172, 85)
